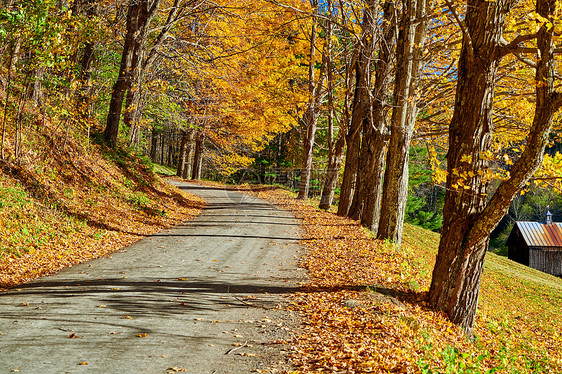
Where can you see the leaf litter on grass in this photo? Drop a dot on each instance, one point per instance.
(79, 204)
(363, 307)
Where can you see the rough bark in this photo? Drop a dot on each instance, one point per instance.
(145, 57)
(139, 16)
(411, 41)
(469, 217)
(36, 89)
(198, 157)
(310, 118)
(153, 144)
(335, 148)
(188, 166)
(361, 107)
(335, 159)
(373, 150)
(183, 152)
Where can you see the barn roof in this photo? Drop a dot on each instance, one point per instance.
(538, 234)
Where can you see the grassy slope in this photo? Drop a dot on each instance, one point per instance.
(67, 202)
(352, 325)
(520, 309)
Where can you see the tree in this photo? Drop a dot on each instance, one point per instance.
(469, 213)
(375, 139)
(409, 51)
(315, 89)
(362, 102)
(139, 17)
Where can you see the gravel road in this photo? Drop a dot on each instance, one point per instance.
(203, 297)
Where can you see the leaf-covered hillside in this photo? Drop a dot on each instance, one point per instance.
(71, 200)
(364, 307)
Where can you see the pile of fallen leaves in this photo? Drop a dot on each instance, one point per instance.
(364, 308)
(70, 202)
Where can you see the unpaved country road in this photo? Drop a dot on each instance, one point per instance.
(195, 290)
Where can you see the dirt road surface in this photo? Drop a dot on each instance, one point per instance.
(203, 297)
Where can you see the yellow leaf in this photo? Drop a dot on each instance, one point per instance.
(466, 158)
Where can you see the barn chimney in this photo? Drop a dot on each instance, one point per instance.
(548, 218)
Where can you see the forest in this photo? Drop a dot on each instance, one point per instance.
(439, 113)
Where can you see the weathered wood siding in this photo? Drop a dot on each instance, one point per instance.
(546, 259)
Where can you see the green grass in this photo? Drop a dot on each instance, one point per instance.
(519, 319)
(163, 170)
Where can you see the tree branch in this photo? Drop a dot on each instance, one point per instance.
(513, 46)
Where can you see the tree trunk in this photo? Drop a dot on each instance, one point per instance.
(139, 16)
(456, 276)
(313, 109)
(411, 41)
(335, 159)
(153, 144)
(376, 137)
(335, 149)
(83, 95)
(36, 94)
(183, 153)
(198, 157)
(373, 183)
(361, 108)
(469, 216)
(308, 148)
(188, 167)
(131, 117)
(14, 54)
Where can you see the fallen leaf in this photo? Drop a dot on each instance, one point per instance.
(143, 335)
(83, 363)
(73, 336)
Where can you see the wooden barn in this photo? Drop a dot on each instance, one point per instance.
(537, 245)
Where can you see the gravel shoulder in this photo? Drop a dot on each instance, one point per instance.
(179, 300)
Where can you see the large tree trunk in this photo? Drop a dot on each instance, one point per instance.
(139, 16)
(468, 216)
(373, 150)
(360, 111)
(374, 172)
(411, 41)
